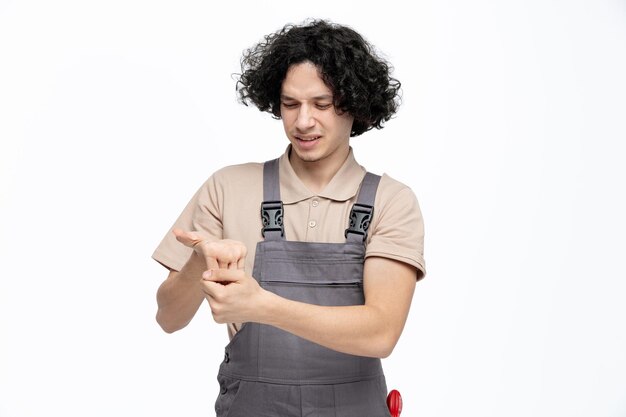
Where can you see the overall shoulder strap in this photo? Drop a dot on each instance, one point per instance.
(363, 210)
(272, 206)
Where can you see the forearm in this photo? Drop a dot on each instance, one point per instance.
(359, 330)
(372, 329)
(180, 295)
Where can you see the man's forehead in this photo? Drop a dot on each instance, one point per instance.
(304, 81)
(286, 96)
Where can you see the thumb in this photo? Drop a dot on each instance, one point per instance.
(222, 276)
(194, 240)
(190, 239)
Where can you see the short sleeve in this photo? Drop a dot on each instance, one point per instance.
(397, 230)
(203, 214)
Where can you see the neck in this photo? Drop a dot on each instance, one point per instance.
(316, 175)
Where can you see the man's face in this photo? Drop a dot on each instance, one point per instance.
(316, 132)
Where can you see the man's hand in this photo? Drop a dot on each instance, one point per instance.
(219, 254)
(180, 295)
(234, 297)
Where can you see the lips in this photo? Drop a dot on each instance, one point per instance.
(308, 138)
(307, 142)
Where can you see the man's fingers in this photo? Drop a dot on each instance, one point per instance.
(190, 239)
(212, 289)
(211, 263)
(219, 254)
(197, 242)
(224, 276)
(184, 237)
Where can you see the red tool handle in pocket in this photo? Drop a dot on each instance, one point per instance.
(394, 403)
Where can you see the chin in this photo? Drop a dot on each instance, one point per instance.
(309, 158)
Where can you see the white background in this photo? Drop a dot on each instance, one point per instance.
(113, 113)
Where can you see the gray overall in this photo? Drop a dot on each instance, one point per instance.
(268, 372)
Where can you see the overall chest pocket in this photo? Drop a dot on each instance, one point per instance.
(322, 282)
(327, 280)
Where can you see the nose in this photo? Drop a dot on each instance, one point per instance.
(305, 119)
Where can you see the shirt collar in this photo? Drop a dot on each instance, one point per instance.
(342, 187)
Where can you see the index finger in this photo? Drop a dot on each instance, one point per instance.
(211, 261)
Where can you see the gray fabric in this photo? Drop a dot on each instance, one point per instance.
(271, 193)
(271, 188)
(257, 399)
(364, 204)
(367, 192)
(268, 372)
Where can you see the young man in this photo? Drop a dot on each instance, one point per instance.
(310, 260)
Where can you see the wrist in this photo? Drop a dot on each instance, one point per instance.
(194, 267)
(268, 302)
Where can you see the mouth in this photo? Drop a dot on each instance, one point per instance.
(307, 138)
(307, 143)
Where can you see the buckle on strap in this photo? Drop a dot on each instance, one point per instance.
(272, 217)
(360, 218)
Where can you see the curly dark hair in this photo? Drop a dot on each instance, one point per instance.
(359, 79)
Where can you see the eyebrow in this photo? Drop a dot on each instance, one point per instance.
(322, 97)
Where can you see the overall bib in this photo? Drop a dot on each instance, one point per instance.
(268, 372)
